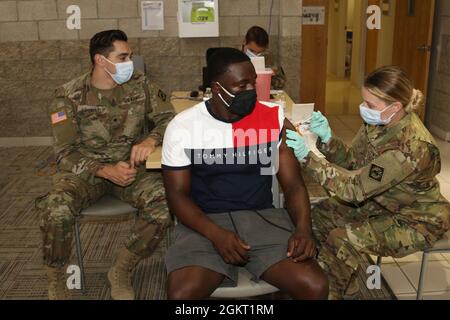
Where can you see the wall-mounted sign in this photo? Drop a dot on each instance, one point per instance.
(152, 15)
(313, 15)
(202, 11)
(198, 18)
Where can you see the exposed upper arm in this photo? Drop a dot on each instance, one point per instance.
(176, 182)
(289, 173)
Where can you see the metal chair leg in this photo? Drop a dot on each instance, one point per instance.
(423, 271)
(79, 255)
(379, 261)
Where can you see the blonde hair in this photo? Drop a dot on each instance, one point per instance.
(391, 84)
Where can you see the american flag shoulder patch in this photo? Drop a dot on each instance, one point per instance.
(58, 117)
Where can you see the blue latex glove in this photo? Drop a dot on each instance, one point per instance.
(298, 144)
(320, 126)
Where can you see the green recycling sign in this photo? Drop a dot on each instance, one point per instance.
(202, 11)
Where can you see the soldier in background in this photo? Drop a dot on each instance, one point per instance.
(386, 198)
(256, 45)
(105, 124)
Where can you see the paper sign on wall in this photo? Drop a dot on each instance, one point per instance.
(313, 15)
(152, 15)
(202, 11)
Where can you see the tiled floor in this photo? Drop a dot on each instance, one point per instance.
(401, 274)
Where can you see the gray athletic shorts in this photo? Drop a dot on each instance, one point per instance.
(257, 228)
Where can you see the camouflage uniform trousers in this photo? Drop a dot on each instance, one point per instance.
(369, 229)
(71, 194)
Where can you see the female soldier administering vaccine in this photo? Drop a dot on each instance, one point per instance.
(385, 199)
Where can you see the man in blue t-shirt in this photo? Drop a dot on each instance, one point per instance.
(219, 158)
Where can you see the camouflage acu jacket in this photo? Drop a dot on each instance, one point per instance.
(92, 127)
(279, 78)
(395, 167)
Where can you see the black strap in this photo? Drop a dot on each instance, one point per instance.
(271, 223)
(147, 105)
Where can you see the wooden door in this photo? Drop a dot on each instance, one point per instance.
(413, 39)
(313, 65)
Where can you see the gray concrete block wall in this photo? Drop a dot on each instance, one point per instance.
(439, 96)
(38, 53)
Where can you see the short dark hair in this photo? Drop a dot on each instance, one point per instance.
(103, 42)
(220, 60)
(257, 35)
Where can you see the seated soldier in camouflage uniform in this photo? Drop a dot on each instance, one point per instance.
(386, 198)
(101, 142)
(256, 44)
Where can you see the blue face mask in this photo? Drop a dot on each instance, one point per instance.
(124, 71)
(373, 117)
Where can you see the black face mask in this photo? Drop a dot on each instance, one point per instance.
(242, 103)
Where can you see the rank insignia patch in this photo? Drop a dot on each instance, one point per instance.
(376, 173)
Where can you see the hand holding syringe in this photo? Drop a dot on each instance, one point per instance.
(303, 129)
(303, 126)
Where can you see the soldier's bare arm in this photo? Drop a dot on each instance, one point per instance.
(301, 244)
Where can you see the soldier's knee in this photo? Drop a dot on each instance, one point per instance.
(155, 210)
(320, 209)
(337, 237)
(163, 222)
(55, 208)
(154, 198)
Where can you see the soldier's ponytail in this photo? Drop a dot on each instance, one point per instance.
(391, 84)
(417, 101)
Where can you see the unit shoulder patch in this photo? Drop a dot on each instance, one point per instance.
(376, 173)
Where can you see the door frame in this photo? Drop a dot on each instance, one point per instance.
(313, 64)
(313, 59)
